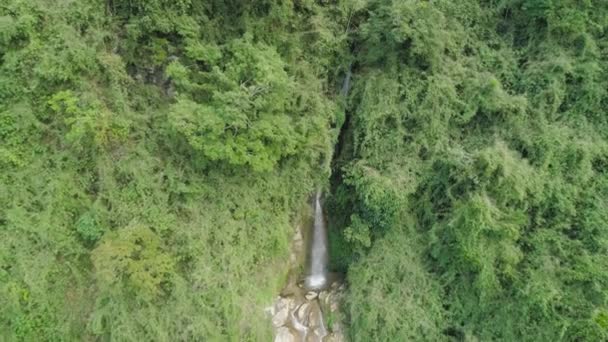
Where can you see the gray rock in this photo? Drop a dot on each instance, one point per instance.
(284, 335)
(315, 319)
(280, 318)
(328, 298)
(311, 295)
(283, 302)
(320, 332)
(302, 313)
(295, 323)
(312, 337)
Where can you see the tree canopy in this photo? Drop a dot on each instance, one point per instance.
(155, 156)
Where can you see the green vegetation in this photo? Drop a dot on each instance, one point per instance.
(475, 162)
(154, 155)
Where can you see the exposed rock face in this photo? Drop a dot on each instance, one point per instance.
(298, 318)
(299, 315)
(284, 335)
(303, 312)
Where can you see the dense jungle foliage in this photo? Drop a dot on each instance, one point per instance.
(155, 154)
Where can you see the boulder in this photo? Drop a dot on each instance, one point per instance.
(317, 335)
(280, 318)
(315, 321)
(299, 327)
(302, 313)
(328, 298)
(284, 335)
(284, 302)
(311, 295)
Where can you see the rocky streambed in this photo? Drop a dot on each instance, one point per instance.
(298, 314)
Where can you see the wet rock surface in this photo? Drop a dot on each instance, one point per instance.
(301, 315)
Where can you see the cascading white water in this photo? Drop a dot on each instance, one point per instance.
(318, 257)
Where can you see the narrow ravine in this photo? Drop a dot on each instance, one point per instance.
(308, 308)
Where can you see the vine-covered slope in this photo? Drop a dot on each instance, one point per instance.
(153, 155)
(476, 167)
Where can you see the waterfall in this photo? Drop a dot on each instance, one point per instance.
(318, 256)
